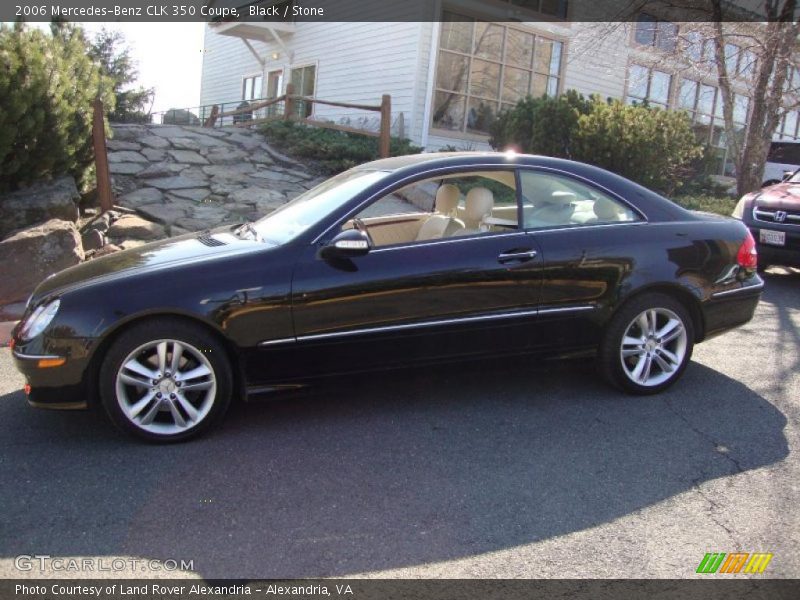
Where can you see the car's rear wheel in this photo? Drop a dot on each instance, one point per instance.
(165, 381)
(647, 344)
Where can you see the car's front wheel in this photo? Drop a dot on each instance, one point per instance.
(165, 381)
(647, 344)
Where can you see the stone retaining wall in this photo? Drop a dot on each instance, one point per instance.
(190, 178)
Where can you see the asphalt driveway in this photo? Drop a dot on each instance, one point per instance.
(519, 469)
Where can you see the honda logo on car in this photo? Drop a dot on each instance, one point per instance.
(780, 216)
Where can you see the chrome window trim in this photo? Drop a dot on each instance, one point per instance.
(739, 290)
(423, 324)
(465, 238)
(582, 227)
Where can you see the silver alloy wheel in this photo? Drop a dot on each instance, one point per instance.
(166, 387)
(653, 347)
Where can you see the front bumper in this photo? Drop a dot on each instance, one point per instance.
(52, 383)
(768, 254)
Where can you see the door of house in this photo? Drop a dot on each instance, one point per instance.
(274, 84)
(303, 80)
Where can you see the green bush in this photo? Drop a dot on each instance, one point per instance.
(180, 116)
(332, 151)
(651, 146)
(721, 205)
(112, 55)
(654, 147)
(542, 125)
(47, 85)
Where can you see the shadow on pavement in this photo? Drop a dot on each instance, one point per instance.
(387, 471)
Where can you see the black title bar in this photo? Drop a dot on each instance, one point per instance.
(293, 11)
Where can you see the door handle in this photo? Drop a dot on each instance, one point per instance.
(516, 255)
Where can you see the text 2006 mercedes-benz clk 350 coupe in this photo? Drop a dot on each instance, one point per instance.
(398, 261)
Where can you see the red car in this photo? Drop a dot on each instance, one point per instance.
(773, 216)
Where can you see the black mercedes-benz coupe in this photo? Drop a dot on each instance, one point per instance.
(396, 262)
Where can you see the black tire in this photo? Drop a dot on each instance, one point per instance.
(197, 348)
(612, 365)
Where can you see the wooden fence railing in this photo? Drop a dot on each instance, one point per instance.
(290, 100)
(101, 157)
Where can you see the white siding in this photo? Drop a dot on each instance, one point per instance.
(226, 60)
(355, 62)
(597, 58)
(359, 61)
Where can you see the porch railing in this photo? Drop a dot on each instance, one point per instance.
(293, 107)
(289, 107)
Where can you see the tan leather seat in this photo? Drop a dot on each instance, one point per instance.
(555, 209)
(478, 206)
(606, 211)
(443, 222)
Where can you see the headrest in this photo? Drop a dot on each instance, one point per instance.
(561, 198)
(478, 204)
(606, 210)
(447, 199)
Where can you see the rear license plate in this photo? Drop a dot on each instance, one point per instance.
(776, 238)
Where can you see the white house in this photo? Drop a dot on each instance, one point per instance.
(448, 77)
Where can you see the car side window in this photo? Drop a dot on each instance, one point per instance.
(452, 205)
(550, 200)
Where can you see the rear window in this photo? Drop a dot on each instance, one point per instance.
(784, 152)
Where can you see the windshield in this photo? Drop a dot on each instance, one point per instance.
(795, 178)
(295, 217)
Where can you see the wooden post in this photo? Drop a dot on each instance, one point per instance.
(384, 141)
(101, 157)
(288, 104)
(212, 118)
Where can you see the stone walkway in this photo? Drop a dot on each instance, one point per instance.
(190, 178)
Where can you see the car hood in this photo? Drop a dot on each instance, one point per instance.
(164, 253)
(780, 196)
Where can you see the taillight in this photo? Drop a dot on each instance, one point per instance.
(747, 257)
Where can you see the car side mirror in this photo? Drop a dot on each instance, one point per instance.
(347, 244)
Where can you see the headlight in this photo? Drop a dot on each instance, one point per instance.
(39, 320)
(738, 211)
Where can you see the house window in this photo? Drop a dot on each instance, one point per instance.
(303, 81)
(650, 31)
(792, 83)
(486, 67)
(697, 47)
(251, 87)
(739, 61)
(703, 103)
(789, 126)
(649, 86)
(554, 8)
